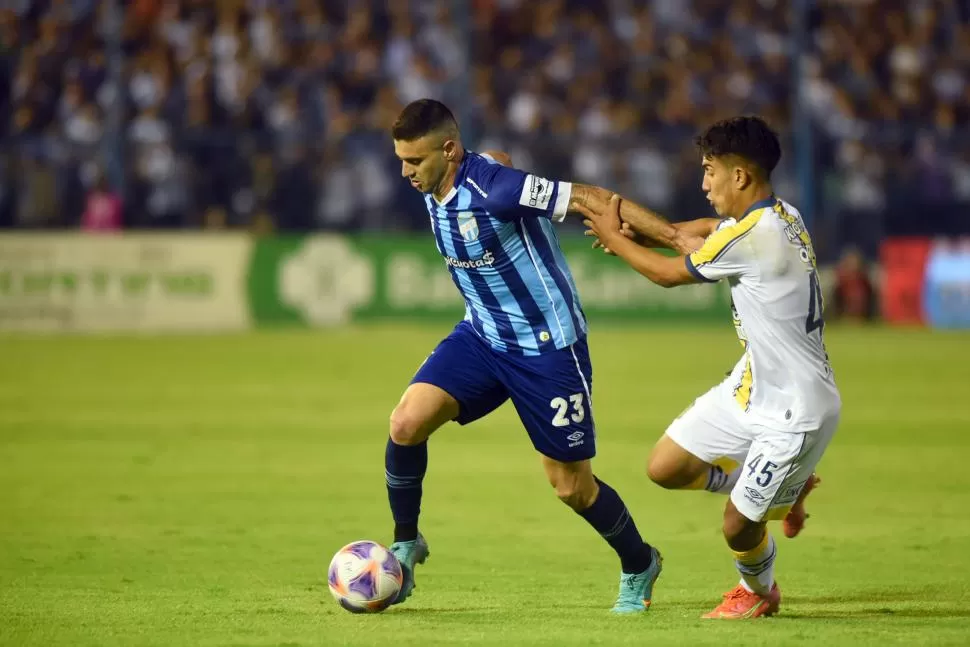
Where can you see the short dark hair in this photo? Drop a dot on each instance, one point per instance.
(422, 117)
(749, 138)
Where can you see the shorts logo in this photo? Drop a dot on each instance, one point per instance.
(575, 438)
(753, 494)
(536, 192)
(790, 494)
(467, 226)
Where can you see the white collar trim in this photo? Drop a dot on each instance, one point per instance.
(448, 198)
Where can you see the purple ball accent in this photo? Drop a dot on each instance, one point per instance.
(350, 607)
(361, 549)
(363, 585)
(332, 577)
(391, 566)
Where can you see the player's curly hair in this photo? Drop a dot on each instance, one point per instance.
(749, 138)
(422, 117)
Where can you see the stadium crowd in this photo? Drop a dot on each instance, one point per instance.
(273, 114)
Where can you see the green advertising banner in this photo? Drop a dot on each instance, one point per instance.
(189, 282)
(325, 280)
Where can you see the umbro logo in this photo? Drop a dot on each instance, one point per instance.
(754, 494)
(576, 438)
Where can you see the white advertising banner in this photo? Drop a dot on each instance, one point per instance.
(131, 282)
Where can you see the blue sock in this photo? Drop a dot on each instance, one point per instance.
(609, 516)
(404, 468)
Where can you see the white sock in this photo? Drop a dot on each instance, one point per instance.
(757, 566)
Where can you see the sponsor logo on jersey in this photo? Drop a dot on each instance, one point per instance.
(797, 234)
(487, 260)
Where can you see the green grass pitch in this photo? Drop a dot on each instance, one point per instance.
(191, 490)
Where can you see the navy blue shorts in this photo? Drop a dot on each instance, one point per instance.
(551, 392)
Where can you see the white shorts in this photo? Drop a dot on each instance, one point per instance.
(776, 464)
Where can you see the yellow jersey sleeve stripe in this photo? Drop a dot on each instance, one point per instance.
(722, 240)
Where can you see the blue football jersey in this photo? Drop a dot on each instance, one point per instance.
(495, 231)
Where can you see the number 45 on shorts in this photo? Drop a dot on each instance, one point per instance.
(767, 470)
(572, 409)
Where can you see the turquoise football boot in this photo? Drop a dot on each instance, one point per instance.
(636, 589)
(409, 553)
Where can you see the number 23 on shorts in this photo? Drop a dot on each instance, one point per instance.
(572, 409)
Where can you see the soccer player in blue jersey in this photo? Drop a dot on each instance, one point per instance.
(523, 337)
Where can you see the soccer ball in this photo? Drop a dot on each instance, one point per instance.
(364, 577)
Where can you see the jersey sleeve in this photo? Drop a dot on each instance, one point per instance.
(511, 193)
(724, 253)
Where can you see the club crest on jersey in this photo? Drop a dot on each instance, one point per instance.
(467, 227)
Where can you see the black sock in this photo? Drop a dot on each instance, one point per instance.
(613, 522)
(404, 468)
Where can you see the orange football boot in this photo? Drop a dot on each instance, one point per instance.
(741, 604)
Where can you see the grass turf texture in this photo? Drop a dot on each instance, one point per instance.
(191, 490)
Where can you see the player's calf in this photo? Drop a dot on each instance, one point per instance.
(422, 409)
(604, 510)
(754, 557)
(740, 532)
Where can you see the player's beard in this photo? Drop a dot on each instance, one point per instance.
(431, 187)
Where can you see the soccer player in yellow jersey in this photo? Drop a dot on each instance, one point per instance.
(759, 434)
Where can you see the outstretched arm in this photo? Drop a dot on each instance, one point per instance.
(701, 228)
(654, 228)
(666, 271)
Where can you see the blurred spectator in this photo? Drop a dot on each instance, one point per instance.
(102, 211)
(854, 293)
(271, 114)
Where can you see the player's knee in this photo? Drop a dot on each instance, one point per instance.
(574, 490)
(406, 427)
(660, 473)
(668, 474)
(733, 526)
(740, 532)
